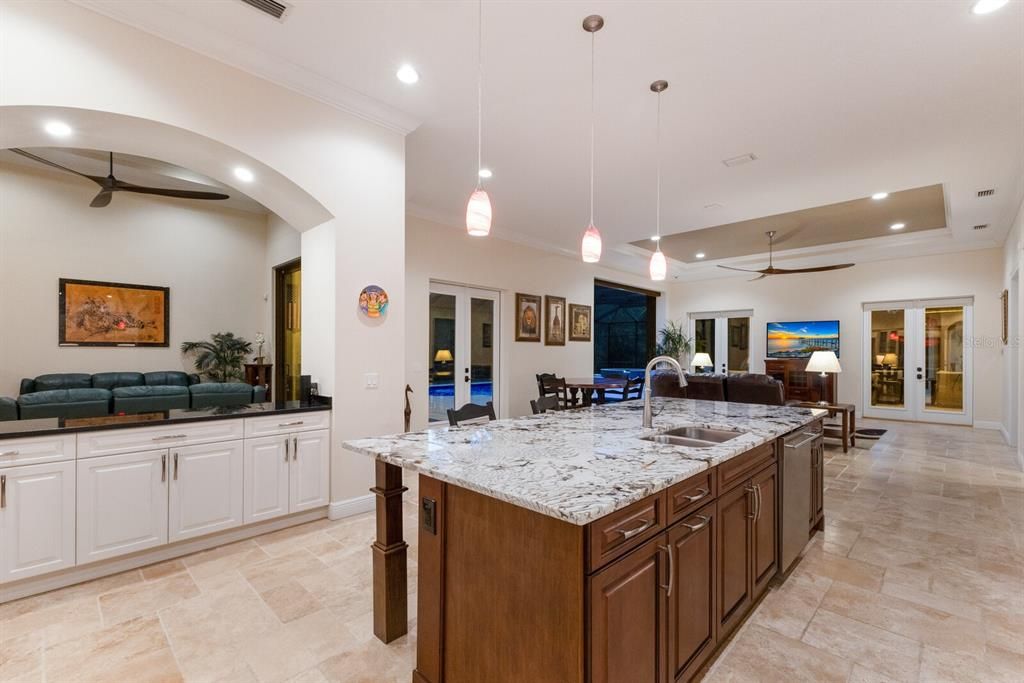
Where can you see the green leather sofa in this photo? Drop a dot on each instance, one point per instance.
(215, 394)
(8, 409)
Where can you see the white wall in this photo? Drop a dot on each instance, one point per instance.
(62, 55)
(448, 254)
(211, 258)
(839, 295)
(1013, 281)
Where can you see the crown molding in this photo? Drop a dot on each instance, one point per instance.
(174, 28)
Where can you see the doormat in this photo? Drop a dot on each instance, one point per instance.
(870, 433)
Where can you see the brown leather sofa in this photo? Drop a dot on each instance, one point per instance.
(745, 388)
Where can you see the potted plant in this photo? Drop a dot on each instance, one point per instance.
(673, 341)
(221, 358)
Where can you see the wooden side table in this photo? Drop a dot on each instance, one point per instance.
(847, 431)
(260, 375)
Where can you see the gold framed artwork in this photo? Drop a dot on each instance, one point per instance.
(94, 313)
(580, 322)
(528, 317)
(1005, 299)
(554, 320)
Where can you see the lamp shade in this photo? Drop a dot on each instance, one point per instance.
(659, 267)
(478, 214)
(443, 356)
(591, 248)
(823, 361)
(890, 359)
(702, 360)
(879, 359)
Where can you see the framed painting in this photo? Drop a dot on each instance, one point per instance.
(528, 317)
(113, 314)
(579, 322)
(554, 320)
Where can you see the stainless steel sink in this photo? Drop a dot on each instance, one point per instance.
(678, 441)
(692, 437)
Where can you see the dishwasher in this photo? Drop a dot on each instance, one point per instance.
(796, 491)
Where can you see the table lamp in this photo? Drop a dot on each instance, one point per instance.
(890, 359)
(823, 362)
(702, 360)
(443, 356)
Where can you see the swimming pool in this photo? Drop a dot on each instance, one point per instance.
(442, 397)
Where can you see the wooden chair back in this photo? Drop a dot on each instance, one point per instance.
(549, 384)
(634, 389)
(471, 411)
(544, 404)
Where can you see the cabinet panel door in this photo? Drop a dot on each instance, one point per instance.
(310, 470)
(266, 478)
(765, 533)
(206, 489)
(629, 618)
(734, 566)
(122, 504)
(692, 629)
(37, 519)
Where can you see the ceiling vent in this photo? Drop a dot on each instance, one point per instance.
(740, 160)
(986, 193)
(981, 227)
(271, 7)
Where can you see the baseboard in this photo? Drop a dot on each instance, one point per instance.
(351, 507)
(1006, 434)
(990, 424)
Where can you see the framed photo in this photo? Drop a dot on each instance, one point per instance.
(528, 317)
(554, 320)
(1005, 299)
(113, 314)
(579, 322)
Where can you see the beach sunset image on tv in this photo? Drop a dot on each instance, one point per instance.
(801, 339)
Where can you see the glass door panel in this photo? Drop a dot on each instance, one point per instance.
(725, 338)
(944, 358)
(738, 342)
(481, 368)
(441, 356)
(888, 349)
(704, 340)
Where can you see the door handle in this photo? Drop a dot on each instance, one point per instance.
(3, 491)
(175, 467)
(163, 467)
(701, 493)
(757, 497)
(627, 534)
(671, 570)
(287, 443)
(704, 521)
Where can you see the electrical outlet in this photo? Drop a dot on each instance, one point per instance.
(372, 380)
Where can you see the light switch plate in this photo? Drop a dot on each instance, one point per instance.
(372, 380)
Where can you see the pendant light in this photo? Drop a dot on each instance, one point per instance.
(591, 247)
(478, 210)
(659, 267)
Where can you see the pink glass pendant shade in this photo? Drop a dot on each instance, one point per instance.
(591, 248)
(659, 267)
(478, 214)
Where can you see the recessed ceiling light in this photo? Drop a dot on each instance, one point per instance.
(407, 74)
(880, 195)
(897, 226)
(699, 254)
(987, 6)
(655, 238)
(57, 129)
(244, 174)
(485, 173)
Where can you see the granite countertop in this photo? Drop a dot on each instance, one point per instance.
(580, 465)
(58, 425)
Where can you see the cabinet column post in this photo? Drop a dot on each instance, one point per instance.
(390, 592)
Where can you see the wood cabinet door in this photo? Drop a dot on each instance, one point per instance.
(206, 489)
(735, 510)
(122, 504)
(37, 519)
(629, 617)
(310, 470)
(266, 462)
(692, 624)
(765, 551)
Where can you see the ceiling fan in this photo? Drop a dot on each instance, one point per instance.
(772, 270)
(110, 184)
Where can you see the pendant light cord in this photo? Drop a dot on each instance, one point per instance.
(592, 39)
(658, 193)
(479, 91)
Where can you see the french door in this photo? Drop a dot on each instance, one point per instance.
(463, 348)
(725, 336)
(919, 361)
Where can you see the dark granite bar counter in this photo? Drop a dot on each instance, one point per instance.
(54, 425)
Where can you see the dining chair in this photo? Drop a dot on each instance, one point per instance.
(634, 389)
(548, 384)
(544, 404)
(471, 412)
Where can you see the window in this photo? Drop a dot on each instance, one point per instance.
(624, 327)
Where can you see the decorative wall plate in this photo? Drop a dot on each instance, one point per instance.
(373, 301)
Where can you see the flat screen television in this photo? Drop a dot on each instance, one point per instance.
(800, 339)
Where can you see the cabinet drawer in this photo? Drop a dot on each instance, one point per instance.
(690, 494)
(735, 471)
(34, 450)
(617, 533)
(115, 441)
(286, 424)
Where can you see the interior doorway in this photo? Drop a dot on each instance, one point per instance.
(725, 337)
(287, 330)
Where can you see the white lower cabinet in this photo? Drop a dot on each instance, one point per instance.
(37, 519)
(122, 504)
(206, 489)
(286, 473)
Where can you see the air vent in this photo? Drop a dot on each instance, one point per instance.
(740, 160)
(271, 7)
(981, 227)
(986, 193)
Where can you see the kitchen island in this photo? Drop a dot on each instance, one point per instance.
(578, 546)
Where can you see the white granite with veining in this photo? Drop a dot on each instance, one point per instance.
(580, 465)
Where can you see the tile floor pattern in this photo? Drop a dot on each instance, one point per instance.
(919, 576)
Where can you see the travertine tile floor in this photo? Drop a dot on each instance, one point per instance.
(919, 575)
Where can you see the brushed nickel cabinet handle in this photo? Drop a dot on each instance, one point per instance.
(704, 521)
(671, 570)
(750, 490)
(803, 443)
(287, 445)
(3, 491)
(295, 448)
(169, 436)
(163, 467)
(701, 493)
(175, 467)
(296, 423)
(757, 497)
(627, 534)
(6, 453)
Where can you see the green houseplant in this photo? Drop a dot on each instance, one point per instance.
(221, 358)
(673, 341)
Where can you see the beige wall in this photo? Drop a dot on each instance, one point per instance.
(448, 254)
(211, 258)
(839, 295)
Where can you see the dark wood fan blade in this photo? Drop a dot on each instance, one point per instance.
(165, 192)
(759, 277)
(102, 199)
(819, 269)
(741, 270)
(29, 155)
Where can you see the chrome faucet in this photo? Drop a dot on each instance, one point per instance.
(648, 417)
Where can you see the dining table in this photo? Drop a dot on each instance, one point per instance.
(592, 388)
